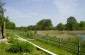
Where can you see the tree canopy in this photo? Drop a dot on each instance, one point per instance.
(81, 25)
(44, 24)
(9, 24)
(71, 23)
(2, 8)
(60, 27)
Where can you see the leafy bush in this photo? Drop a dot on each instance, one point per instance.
(29, 34)
(12, 40)
(9, 34)
(20, 46)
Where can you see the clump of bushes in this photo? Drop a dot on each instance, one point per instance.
(30, 35)
(20, 46)
(9, 34)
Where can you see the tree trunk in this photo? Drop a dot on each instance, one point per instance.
(3, 30)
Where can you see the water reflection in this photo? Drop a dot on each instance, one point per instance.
(81, 36)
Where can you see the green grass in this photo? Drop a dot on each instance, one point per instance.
(52, 48)
(49, 47)
(4, 52)
(4, 47)
(55, 49)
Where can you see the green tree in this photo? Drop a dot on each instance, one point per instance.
(2, 8)
(44, 24)
(81, 25)
(1, 12)
(31, 27)
(2, 23)
(60, 27)
(10, 25)
(71, 23)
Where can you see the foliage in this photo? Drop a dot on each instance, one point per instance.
(81, 25)
(20, 46)
(1, 12)
(9, 25)
(2, 8)
(2, 18)
(44, 24)
(29, 34)
(4, 47)
(22, 28)
(31, 27)
(71, 23)
(60, 27)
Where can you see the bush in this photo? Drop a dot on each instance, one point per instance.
(20, 46)
(9, 34)
(30, 35)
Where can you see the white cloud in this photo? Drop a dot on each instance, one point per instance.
(65, 8)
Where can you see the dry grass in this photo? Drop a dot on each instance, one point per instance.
(61, 34)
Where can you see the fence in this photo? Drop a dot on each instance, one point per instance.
(77, 48)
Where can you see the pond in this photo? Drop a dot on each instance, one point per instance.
(81, 36)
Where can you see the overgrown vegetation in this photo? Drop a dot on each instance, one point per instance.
(4, 47)
(17, 47)
(20, 46)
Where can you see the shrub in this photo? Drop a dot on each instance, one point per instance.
(35, 32)
(30, 35)
(20, 46)
(9, 34)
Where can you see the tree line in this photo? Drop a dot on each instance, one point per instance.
(46, 24)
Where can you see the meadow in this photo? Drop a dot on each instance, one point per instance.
(55, 41)
(46, 39)
(15, 47)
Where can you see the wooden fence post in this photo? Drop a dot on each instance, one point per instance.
(78, 48)
(60, 42)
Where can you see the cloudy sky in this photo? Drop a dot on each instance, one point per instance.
(29, 12)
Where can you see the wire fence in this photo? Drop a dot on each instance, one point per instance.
(78, 48)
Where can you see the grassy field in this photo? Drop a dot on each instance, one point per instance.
(4, 52)
(4, 46)
(58, 34)
(52, 48)
(47, 46)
